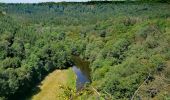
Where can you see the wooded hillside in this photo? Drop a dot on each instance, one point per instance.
(127, 45)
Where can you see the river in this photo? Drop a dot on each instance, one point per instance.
(82, 71)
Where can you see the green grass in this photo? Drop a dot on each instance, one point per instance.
(53, 87)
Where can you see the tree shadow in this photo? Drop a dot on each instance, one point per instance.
(33, 92)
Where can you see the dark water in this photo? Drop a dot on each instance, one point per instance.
(82, 71)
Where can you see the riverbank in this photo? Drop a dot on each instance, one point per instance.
(58, 85)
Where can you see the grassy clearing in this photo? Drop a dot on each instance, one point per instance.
(51, 86)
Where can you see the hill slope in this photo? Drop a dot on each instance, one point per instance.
(127, 45)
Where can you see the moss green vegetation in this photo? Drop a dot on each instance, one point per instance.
(127, 45)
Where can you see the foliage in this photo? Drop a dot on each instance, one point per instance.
(123, 43)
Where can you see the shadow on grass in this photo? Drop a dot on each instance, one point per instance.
(32, 92)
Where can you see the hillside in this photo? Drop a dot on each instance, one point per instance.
(127, 45)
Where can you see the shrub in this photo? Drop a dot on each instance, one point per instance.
(11, 63)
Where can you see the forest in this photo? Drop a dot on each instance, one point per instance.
(126, 43)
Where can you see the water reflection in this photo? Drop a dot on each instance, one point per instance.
(82, 71)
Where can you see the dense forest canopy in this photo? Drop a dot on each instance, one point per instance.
(126, 44)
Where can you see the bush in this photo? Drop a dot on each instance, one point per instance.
(11, 63)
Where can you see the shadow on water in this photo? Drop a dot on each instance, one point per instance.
(82, 71)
